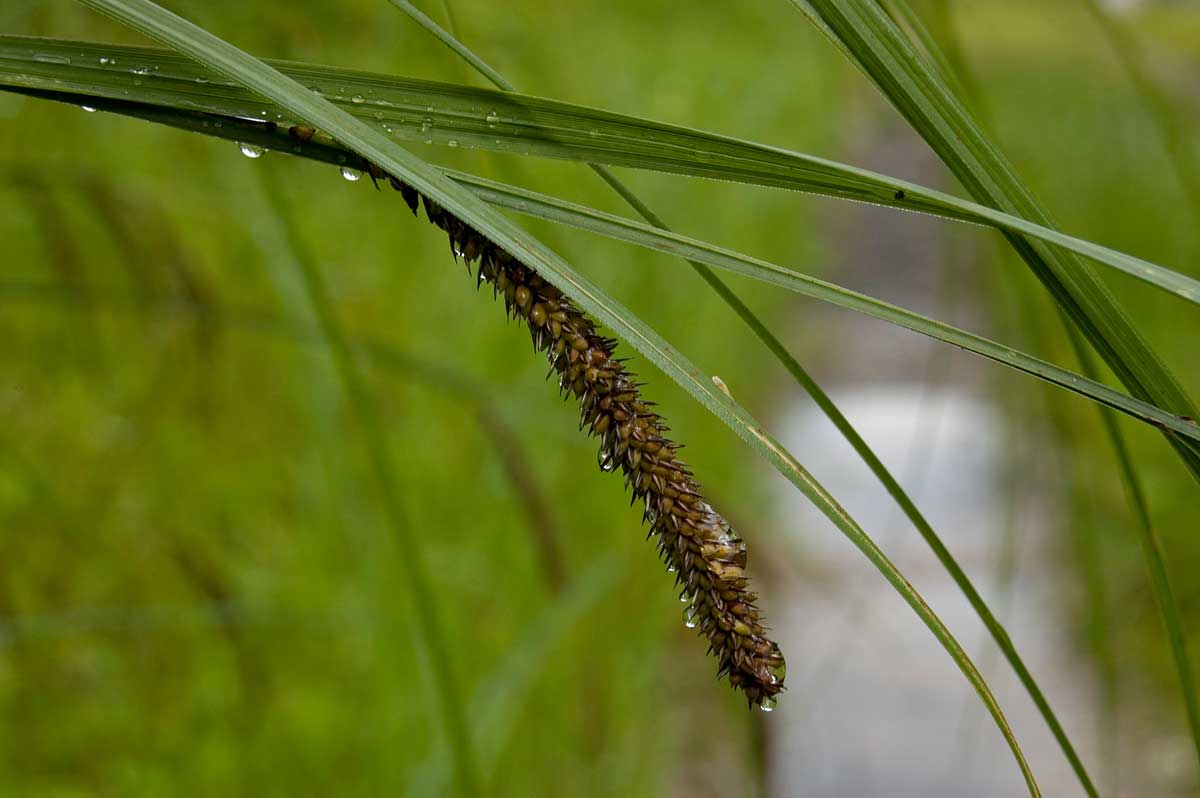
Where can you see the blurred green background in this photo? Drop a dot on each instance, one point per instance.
(199, 593)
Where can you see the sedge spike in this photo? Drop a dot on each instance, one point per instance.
(697, 544)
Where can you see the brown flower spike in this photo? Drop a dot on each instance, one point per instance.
(707, 556)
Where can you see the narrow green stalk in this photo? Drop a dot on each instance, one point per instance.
(902, 12)
(448, 38)
(943, 31)
(375, 436)
(450, 26)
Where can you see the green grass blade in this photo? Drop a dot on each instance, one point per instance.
(889, 60)
(942, 30)
(512, 123)
(903, 13)
(450, 40)
(622, 229)
(308, 107)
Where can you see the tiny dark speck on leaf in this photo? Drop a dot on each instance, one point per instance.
(899, 194)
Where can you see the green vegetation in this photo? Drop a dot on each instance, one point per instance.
(250, 543)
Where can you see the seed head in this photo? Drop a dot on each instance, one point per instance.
(697, 544)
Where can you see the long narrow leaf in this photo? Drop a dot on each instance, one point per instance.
(619, 228)
(408, 109)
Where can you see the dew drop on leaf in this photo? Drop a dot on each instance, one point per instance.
(251, 150)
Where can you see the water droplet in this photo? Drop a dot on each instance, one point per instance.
(685, 598)
(251, 150)
(50, 58)
(106, 60)
(604, 458)
(426, 124)
(358, 98)
(202, 79)
(778, 672)
(352, 175)
(671, 569)
(689, 618)
(140, 70)
(768, 704)
(88, 108)
(491, 119)
(452, 143)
